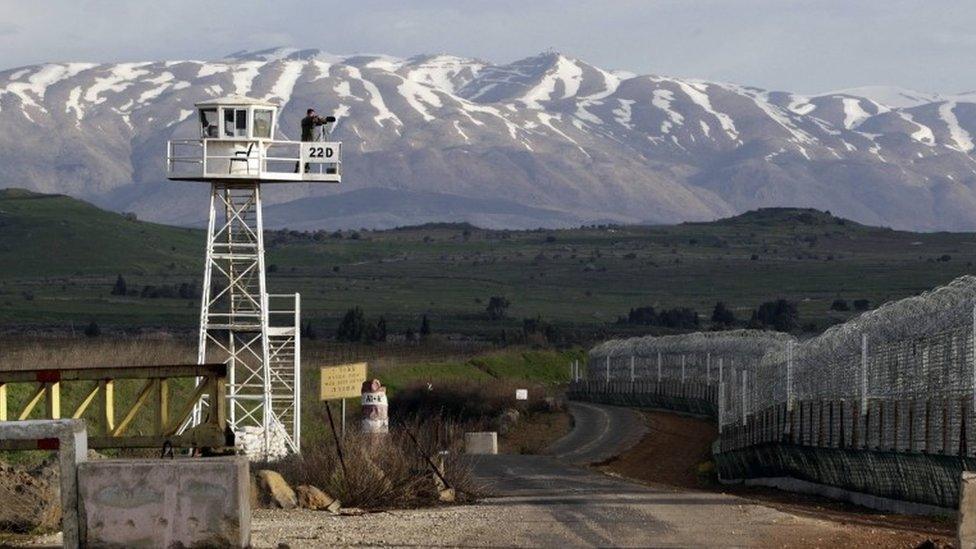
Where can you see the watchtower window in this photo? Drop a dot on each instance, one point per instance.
(235, 122)
(262, 123)
(208, 123)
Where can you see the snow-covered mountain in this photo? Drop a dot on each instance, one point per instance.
(549, 140)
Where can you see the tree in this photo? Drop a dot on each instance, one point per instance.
(840, 305)
(424, 328)
(781, 315)
(497, 308)
(92, 330)
(353, 326)
(723, 315)
(307, 330)
(642, 315)
(861, 304)
(380, 333)
(119, 288)
(679, 317)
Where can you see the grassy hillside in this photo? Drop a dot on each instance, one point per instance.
(59, 259)
(54, 235)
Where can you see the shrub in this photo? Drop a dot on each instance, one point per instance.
(839, 305)
(353, 326)
(119, 288)
(861, 304)
(781, 315)
(92, 330)
(384, 472)
(497, 307)
(642, 315)
(722, 315)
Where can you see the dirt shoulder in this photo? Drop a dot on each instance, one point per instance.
(676, 453)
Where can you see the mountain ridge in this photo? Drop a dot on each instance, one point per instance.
(550, 132)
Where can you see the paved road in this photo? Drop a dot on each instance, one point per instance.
(549, 501)
(599, 433)
(559, 503)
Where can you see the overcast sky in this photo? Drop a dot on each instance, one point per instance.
(803, 46)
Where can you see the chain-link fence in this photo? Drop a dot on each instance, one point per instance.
(900, 377)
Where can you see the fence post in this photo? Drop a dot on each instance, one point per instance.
(682, 368)
(631, 368)
(659, 366)
(721, 402)
(744, 401)
(789, 376)
(864, 373)
(720, 378)
(708, 368)
(608, 370)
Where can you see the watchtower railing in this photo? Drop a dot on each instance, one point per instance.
(264, 160)
(160, 404)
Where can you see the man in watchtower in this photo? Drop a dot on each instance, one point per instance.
(311, 121)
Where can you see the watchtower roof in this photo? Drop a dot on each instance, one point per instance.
(235, 101)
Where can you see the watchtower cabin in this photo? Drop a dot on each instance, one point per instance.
(237, 143)
(256, 334)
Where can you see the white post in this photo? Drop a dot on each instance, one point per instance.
(721, 403)
(659, 366)
(343, 417)
(864, 373)
(720, 378)
(297, 383)
(682, 368)
(789, 376)
(631, 368)
(744, 372)
(708, 368)
(608, 369)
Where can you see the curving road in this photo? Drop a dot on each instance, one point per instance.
(552, 501)
(599, 433)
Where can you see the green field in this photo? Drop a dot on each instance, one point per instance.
(59, 259)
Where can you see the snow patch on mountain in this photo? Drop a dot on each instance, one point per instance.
(119, 78)
(960, 136)
(244, 76)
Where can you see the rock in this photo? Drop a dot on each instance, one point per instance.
(447, 495)
(310, 497)
(507, 420)
(351, 511)
(275, 490)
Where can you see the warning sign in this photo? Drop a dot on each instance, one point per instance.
(343, 381)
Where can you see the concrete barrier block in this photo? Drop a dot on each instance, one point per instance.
(481, 443)
(165, 502)
(967, 511)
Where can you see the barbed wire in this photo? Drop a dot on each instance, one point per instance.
(917, 347)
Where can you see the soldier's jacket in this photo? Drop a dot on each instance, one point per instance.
(309, 123)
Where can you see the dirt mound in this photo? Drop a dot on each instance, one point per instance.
(31, 497)
(671, 453)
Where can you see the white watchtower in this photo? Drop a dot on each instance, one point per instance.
(256, 334)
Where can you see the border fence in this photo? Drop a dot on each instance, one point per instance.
(884, 404)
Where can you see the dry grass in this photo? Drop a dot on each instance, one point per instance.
(474, 404)
(384, 472)
(28, 353)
